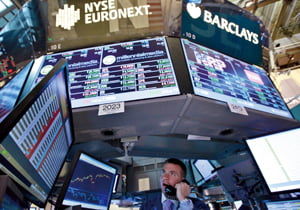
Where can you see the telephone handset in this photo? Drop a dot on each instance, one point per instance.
(170, 191)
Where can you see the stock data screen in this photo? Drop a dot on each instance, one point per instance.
(118, 72)
(91, 184)
(221, 77)
(33, 144)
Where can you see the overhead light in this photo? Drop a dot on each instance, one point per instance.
(129, 139)
(195, 137)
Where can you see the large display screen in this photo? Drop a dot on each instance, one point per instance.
(89, 183)
(36, 136)
(221, 77)
(204, 168)
(277, 157)
(283, 204)
(225, 27)
(118, 72)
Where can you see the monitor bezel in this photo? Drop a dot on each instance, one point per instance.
(59, 202)
(21, 108)
(256, 165)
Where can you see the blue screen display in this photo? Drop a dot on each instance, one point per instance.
(218, 76)
(118, 72)
(91, 184)
(284, 204)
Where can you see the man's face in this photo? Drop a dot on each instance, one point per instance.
(171, 175)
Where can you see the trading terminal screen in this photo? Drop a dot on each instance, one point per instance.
(118, 72)
(221, 77)
(89, 183)
(277, 157)
(36, 137)
(283, 204)
(204, 168)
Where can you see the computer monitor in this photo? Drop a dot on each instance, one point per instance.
(126, 71)
(89, 184)
(205, 170)
(291, 204)
(277, 157)
(221, 77)
(10, 93)
(36, 136)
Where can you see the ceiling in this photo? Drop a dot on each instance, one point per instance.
(282, 20)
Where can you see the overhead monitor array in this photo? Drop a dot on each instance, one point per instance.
(144, 69)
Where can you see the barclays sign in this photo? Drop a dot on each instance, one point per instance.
(224, 28)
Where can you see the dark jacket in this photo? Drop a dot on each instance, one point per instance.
(154, 203)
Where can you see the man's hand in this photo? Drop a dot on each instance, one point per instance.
(183, 190)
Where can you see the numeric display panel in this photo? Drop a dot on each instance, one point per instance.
(119, 72)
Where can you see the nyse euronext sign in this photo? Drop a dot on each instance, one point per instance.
(81, 23)
(223, 30)
(99, 11)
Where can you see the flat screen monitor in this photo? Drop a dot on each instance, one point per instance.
(118, 72)
(89, 184)
(283, 204)
(277, 157)
(36, 136)
(10, 93)
(218, 76)
(205, 169)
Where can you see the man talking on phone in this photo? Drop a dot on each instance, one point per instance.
(175, 190)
